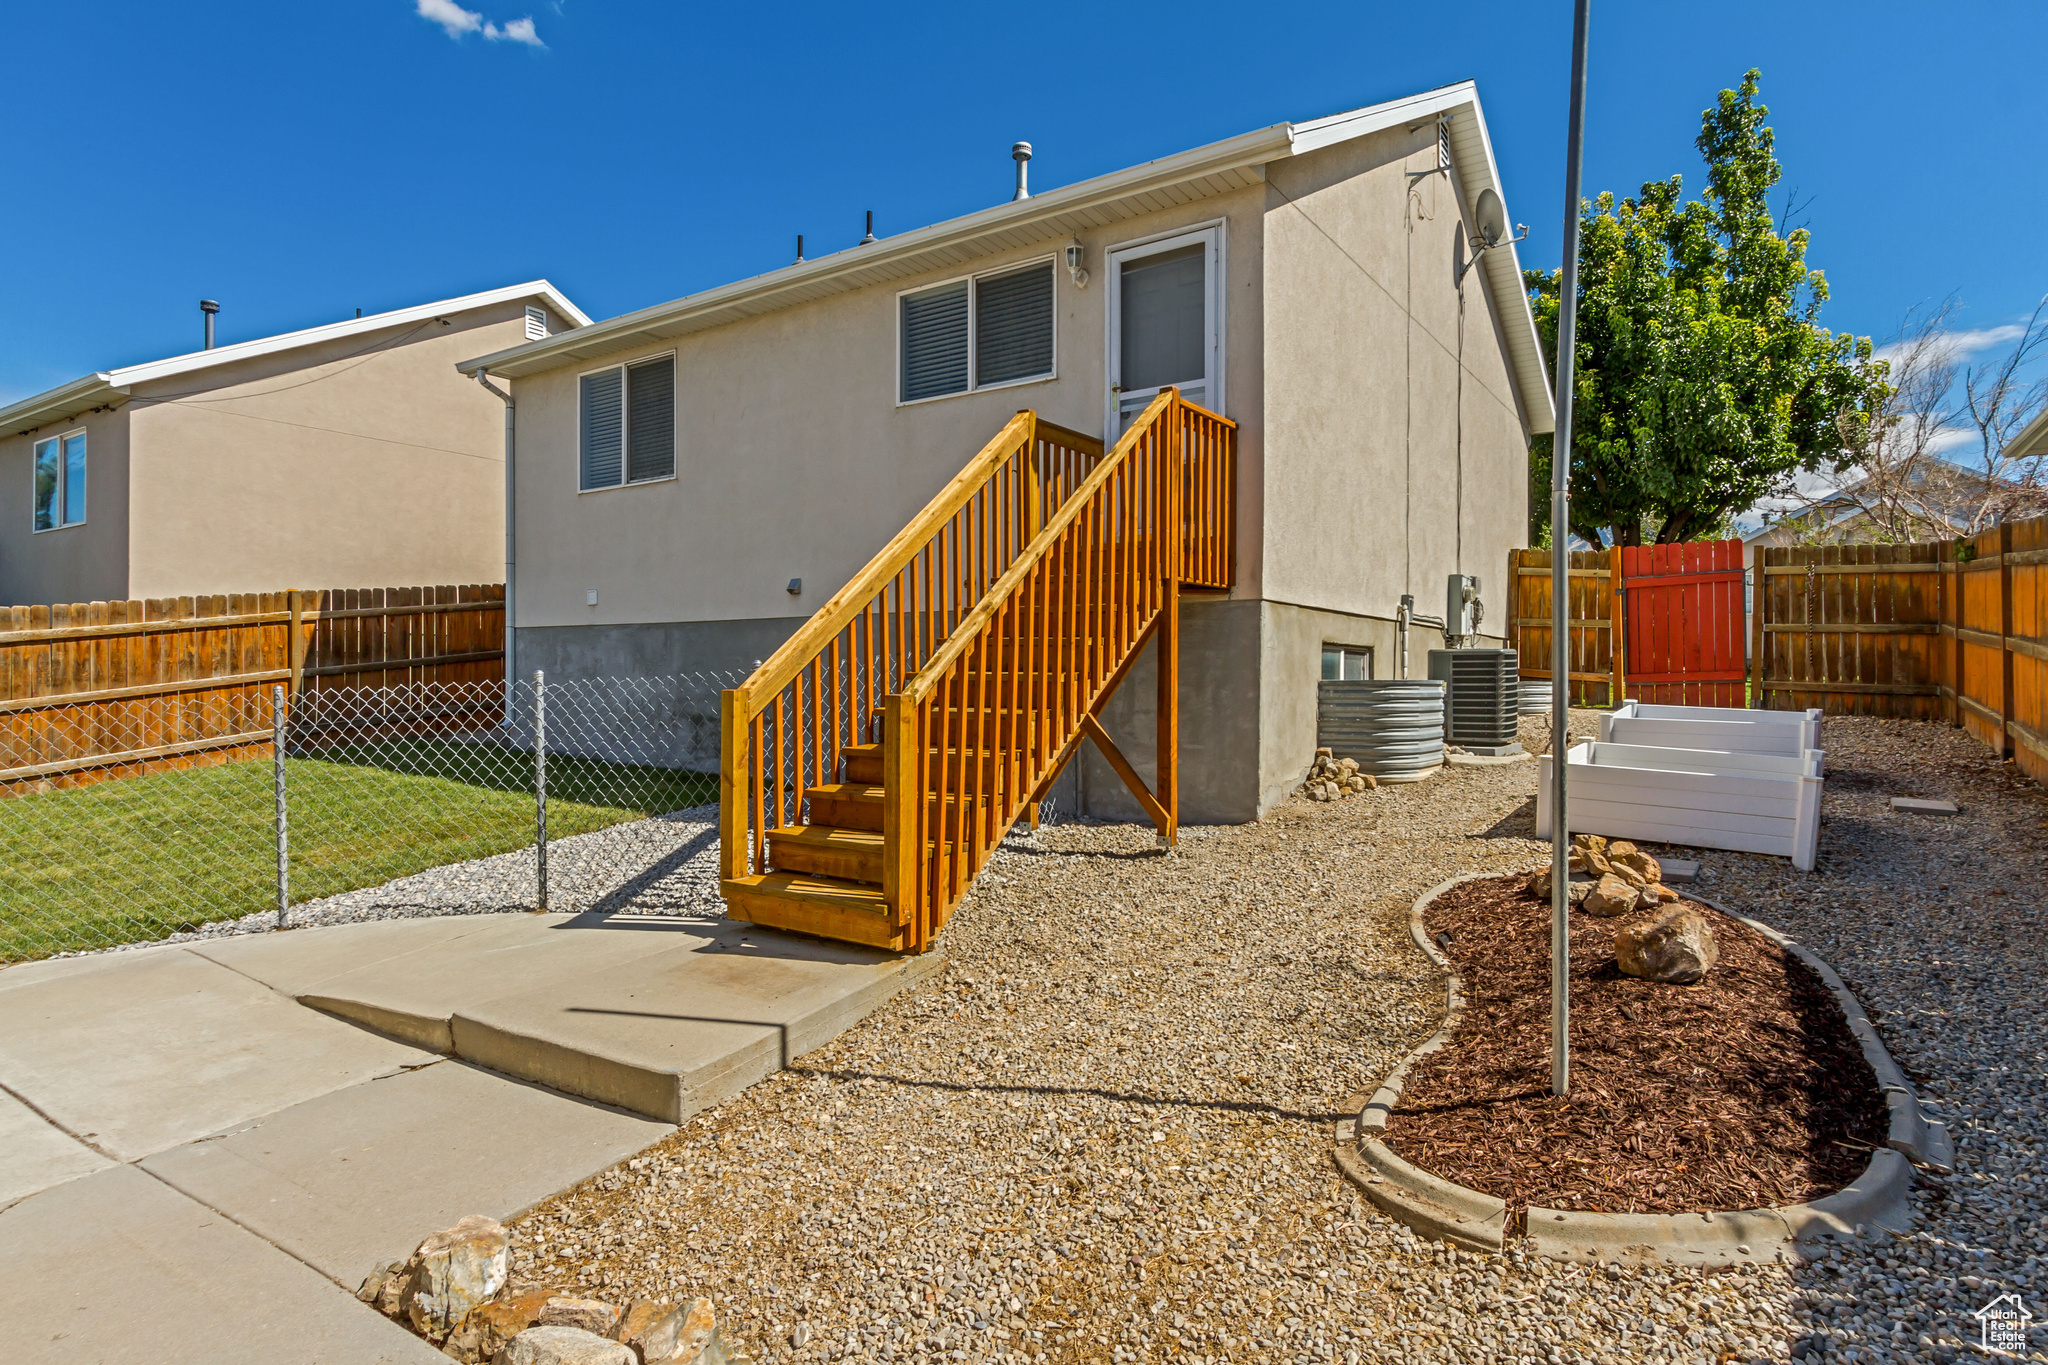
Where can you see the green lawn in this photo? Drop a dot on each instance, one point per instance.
(135, 859)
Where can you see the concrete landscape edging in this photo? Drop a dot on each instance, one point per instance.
(1439, 1208)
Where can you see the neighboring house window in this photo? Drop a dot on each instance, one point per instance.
(977, 333)
(536, 324)
(1347, 663)
(626, 431)
(60, 481)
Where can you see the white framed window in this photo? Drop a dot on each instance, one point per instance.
(60, 481)
(536, 323)
(1347, 663)
(986, 331)
(626, 424)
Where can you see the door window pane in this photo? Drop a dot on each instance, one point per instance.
(1163, 319)
(74, 479)
(47, 484)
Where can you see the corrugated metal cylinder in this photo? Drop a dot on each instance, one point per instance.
(1393, 727)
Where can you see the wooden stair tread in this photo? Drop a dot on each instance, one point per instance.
(805, 886)
(849, 912)
(827, 834)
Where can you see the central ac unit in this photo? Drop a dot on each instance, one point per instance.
(1482, 698)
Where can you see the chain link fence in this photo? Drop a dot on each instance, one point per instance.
(586, 795)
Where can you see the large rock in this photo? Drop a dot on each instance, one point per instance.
(1629, 856)
(454, 1271)
(490, 1329)
(592, 1315)
(1676, 947)
(683, 1335)
(1611, 896)
(564, 1346)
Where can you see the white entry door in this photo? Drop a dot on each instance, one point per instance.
(1165, 322)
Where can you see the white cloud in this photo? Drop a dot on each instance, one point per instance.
(518, 31)
(453, 18)
(456, 21)
(1953, 345)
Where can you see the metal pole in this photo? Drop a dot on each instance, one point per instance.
(277, 722)
(1560, 579)
(540, 786)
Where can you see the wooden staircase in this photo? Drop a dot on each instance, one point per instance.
(869, 768)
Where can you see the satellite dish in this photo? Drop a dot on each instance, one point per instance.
(1493, 218)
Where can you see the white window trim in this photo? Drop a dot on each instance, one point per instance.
(1370, 655)
(1216, 232)
(973, 307)
(625, 427)
(60, 438)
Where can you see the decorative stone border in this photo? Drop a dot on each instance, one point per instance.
(1438, 1208)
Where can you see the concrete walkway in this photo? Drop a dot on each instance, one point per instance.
(203, 1146)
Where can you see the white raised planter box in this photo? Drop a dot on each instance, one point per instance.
(1753, 803)
(1730, 729)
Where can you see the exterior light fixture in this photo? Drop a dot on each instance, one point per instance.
(1074, 258)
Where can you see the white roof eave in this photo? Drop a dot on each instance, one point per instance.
(94, 390)
(1213, 169)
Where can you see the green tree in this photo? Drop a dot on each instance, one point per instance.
(1705, 380)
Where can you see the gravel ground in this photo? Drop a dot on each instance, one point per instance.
(666, 865)
(1103, 1133)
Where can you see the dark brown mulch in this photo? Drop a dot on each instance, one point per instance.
(1744, 1091)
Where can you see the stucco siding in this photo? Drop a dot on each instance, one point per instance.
(82, 563)
(794, 459)
(1382, 477)
(369, 462)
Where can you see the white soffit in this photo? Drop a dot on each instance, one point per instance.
(95, 390)
(1180, 179)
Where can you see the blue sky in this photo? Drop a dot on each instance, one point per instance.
(297, 161)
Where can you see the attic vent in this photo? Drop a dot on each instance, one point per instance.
(536, 324)
(1443, 144)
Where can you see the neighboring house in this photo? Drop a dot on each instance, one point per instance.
(1932, 499)
(695, 479)
(346, 455)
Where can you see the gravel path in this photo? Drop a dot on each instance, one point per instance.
(1103, 1133)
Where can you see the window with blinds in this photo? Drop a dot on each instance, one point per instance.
(977, 333)
(626, 425)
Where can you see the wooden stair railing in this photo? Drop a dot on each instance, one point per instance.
(981, 642)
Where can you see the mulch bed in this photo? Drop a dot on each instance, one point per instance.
(1744, 1091)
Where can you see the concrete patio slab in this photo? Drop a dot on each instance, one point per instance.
(34, 1155)
(118, 1269)
(687, 1028)
(409, 978)
(136, 1052)
(357, 1177)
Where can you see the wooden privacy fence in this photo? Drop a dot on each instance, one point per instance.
(1593, 621)
(1945, 630)
(94, 690)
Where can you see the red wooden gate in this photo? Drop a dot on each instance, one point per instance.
(1685, 623)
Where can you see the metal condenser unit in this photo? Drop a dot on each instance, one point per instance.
(1482, 697)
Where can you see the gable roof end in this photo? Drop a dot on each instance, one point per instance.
(1182, 178)
(68, 400)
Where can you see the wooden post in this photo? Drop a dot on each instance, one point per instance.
(296, 646)
(2006, 744)
(1034, 512)
(1168, 780)
(734, 790)
(903, 791)
(1617, 687)
(1514, 596)
(1759, 604)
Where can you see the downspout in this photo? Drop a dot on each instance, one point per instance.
(511, 521)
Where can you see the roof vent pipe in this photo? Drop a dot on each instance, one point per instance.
(209, 307)
(1021, 154)
(799, 248)
(871, 229)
